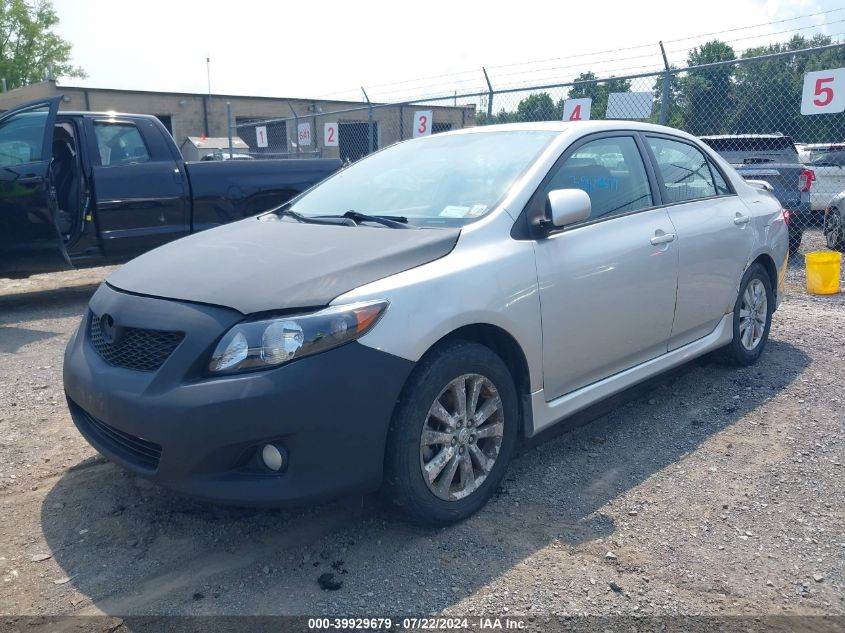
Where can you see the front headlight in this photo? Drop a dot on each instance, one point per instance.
(272, 342)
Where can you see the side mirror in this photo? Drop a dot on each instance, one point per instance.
(568, 206)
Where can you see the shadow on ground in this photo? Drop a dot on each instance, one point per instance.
(136, 549)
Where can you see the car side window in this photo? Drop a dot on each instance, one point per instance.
(721, 186)
(22, 136)
(683, 169)
(611, 171)
(120, 143)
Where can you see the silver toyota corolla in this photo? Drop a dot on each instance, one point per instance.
(403, 324)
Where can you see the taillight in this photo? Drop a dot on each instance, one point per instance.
(805, 180)
(787, 215)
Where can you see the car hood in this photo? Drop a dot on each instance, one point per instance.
(256, 266)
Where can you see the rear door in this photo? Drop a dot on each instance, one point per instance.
(715, 235)
(29, 237)
(140, 193)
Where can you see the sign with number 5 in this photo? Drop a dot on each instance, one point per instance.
(422, 123)
(824, 92)
(330, 135)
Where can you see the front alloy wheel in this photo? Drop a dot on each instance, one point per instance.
(452, 434)
(461, 437)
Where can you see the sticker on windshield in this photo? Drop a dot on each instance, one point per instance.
(476, 210)
(453, 211)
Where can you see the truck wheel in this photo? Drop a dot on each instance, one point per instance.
(833, 230)
(752, 319)
(452, 434)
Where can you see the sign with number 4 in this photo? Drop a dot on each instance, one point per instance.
(330, 135)
(824, 92)
(422, 123)
(577, 109)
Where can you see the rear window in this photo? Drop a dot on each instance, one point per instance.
(752, 144)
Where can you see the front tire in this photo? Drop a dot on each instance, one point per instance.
(452, 434)
(752, 318)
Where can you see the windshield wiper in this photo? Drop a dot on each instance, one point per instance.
(314, 220)
(392, 221)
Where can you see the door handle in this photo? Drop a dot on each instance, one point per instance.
(663, 238)
(739, 220)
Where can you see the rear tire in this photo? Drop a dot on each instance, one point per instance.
(752, 319)
(435, 463)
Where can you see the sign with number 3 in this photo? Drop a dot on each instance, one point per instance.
(824, 92)
(422, 123)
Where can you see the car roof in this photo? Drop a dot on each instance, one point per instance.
(749, 136)
(578, 127)
(109, 113)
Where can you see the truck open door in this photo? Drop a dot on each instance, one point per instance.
(30, 239)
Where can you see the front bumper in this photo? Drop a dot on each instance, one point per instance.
(201, 435)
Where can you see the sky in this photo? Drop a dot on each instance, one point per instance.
(398, 50)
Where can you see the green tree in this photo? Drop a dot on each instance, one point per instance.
(768, 92)
(707, 94)
(537, 107)
(28, 45)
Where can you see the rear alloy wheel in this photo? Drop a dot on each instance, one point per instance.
(752, 318)
(452, 435)
(833, 230)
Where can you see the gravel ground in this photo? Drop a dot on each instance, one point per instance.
(709, 490)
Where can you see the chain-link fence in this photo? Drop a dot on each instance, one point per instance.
(754, 111)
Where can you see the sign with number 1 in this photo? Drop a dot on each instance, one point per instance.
(261, 136)
(824, 92)
(330, 135)
(422, 123)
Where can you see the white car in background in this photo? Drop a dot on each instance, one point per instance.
(828, 164)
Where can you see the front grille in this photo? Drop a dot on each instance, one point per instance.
(135, 348)
(136, 451)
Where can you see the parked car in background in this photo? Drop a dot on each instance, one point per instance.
(405, 321)
(834, 223)
(772, 158)
(829, 169)
(85, 188)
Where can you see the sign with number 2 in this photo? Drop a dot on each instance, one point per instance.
(824, 92)
(422, 123)
(330, 135)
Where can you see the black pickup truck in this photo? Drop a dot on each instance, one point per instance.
(85, 188)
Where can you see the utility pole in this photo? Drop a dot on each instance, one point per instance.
(208, 72)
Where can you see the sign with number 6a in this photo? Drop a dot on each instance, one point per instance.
(824, 92)
(330, 135)
(303, 134)
(577, 109)
(422, 123)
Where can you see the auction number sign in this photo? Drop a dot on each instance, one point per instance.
(303, 133)
(824, 92)
(422, 123)
(261, 136)
(577, 109)
(330, 135)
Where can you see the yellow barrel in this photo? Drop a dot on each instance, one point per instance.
(823, 272)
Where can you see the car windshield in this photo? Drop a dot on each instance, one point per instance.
(446, 180)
